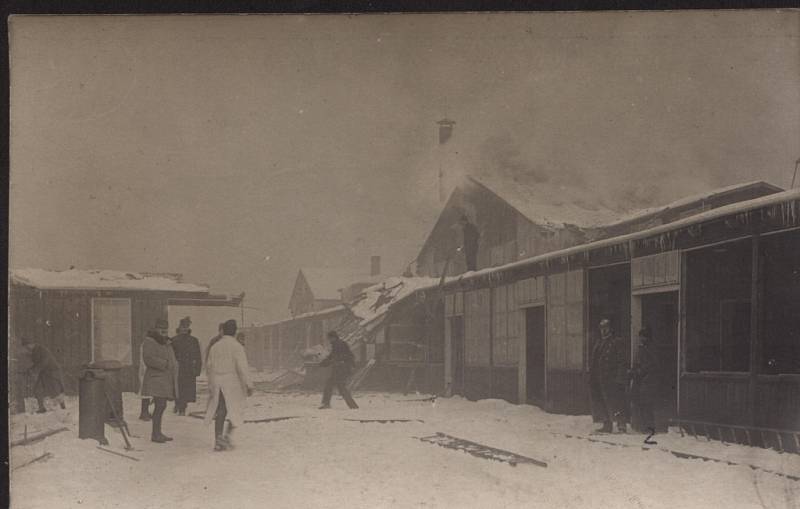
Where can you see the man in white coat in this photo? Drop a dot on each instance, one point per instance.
(228, 384)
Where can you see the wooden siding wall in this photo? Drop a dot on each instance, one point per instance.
(507, 327)
(62, 321)
(716, 398)
(565, 309)
(477, 327)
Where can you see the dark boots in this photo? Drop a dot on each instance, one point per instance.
(158, 414)
(144, 415)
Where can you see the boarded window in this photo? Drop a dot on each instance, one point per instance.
(454, 304)
(718, 308)
(111, 330)
(565, 321)
(476, 327)
(530, 291)
(655, 271)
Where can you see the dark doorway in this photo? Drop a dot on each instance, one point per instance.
(610, 297)
(457, 343)
(660, 314)
(535, 362)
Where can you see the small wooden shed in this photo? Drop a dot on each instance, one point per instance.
(83, 316)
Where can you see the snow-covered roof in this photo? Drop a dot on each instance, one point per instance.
(792, 212)
(325, 283)
(74, 279)
(697, 198)
(376, 300)
(549, 204)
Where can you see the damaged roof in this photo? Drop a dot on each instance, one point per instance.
(375, 301)
(549, 204)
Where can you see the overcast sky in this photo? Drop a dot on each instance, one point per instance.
(205, 144)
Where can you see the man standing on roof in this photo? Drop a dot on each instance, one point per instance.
(608, 376)
(471, 238)
(47, 373)
(190, 364)
(228, 385)
(341, 361)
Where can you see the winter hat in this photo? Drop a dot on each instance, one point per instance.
(229, 328)
(161, 324)
(185, 323)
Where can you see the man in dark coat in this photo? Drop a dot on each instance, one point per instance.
(646, 378)
(471, 238)
(161, 376)
(47, 374)
(608, 376)
(190, 364)
(341, 361)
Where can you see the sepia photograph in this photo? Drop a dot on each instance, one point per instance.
(404, 260)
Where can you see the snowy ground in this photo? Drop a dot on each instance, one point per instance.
(322, 460)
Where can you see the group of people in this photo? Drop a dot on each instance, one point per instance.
(615, 386)
(170, 366)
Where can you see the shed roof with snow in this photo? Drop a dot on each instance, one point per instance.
(74, 279)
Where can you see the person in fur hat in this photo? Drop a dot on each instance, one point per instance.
(190, 364)
(161, 375)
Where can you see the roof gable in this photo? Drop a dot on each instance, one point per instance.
(547, 204)
(325, 283)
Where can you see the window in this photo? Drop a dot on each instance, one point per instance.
(111, 330)
(406, 342)
(719, 281)
(780, 308)
(506, 326)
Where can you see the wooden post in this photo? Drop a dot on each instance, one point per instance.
(755, 292)
(491, 339)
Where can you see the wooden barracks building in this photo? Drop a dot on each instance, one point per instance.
(716, 277)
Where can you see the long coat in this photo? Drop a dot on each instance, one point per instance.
(47, 372)
(608, 377)
(190, 364)
(647, 374)
(161, 375)
(227, 370)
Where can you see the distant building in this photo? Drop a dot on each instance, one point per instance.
(316, 289)
(84, 316)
